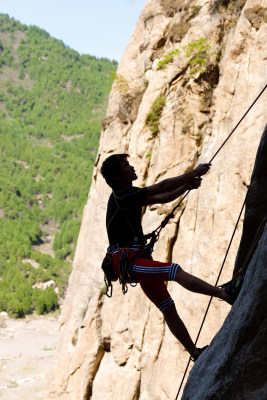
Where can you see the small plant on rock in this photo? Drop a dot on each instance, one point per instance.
(121, 83)
(168, 58)
(153, 117)
(195, 10)
(199, 52)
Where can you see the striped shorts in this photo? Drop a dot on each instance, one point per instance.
(152, 276)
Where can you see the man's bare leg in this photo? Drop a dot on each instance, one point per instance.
(194, 284)
(171, 316)
(179, 330)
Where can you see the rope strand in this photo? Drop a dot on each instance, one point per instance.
(259, 155)
(228, 137)
(171, 214)
(220, 272)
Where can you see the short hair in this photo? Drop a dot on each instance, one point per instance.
(111, 166)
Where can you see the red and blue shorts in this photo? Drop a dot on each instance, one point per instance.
(151, 275)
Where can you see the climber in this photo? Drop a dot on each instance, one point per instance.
(129, 256)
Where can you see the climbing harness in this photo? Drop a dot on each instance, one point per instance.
(242, 271)
(125, 263)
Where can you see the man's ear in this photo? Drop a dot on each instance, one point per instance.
(115, 179)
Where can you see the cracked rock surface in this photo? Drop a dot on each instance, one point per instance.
(233, 366)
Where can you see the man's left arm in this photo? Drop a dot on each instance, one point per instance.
(169, 189)
(166, 197)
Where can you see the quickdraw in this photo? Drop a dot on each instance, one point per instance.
(109, 274)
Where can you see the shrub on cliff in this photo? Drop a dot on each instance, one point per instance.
(198, 52)
(168, 58)
(153, 117)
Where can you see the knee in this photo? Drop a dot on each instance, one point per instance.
(179, 274)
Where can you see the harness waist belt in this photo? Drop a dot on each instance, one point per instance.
(130, 243)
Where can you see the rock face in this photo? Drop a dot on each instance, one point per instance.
(256, 205)
(233, 366)
(119, 348)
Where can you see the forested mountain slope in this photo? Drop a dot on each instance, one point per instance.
(51, 103)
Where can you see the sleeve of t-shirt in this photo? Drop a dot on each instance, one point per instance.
(134, 195)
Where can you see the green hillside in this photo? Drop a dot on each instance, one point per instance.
(52, 101)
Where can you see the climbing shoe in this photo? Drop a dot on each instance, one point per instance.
(233, 288)
(200, 349)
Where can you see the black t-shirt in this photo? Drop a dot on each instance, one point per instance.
(124, 212)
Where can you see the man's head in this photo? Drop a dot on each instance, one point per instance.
(117, 171)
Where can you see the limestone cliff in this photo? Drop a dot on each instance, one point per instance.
(238, 371)
(203, 62)
(256, 205)
(234, 365)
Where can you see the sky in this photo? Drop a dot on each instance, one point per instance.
(101, 28)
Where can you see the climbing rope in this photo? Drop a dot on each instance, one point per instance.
(206, 312)
(240, 272)
(154, 236)
(252, 247)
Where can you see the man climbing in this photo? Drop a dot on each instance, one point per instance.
(129, 257)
